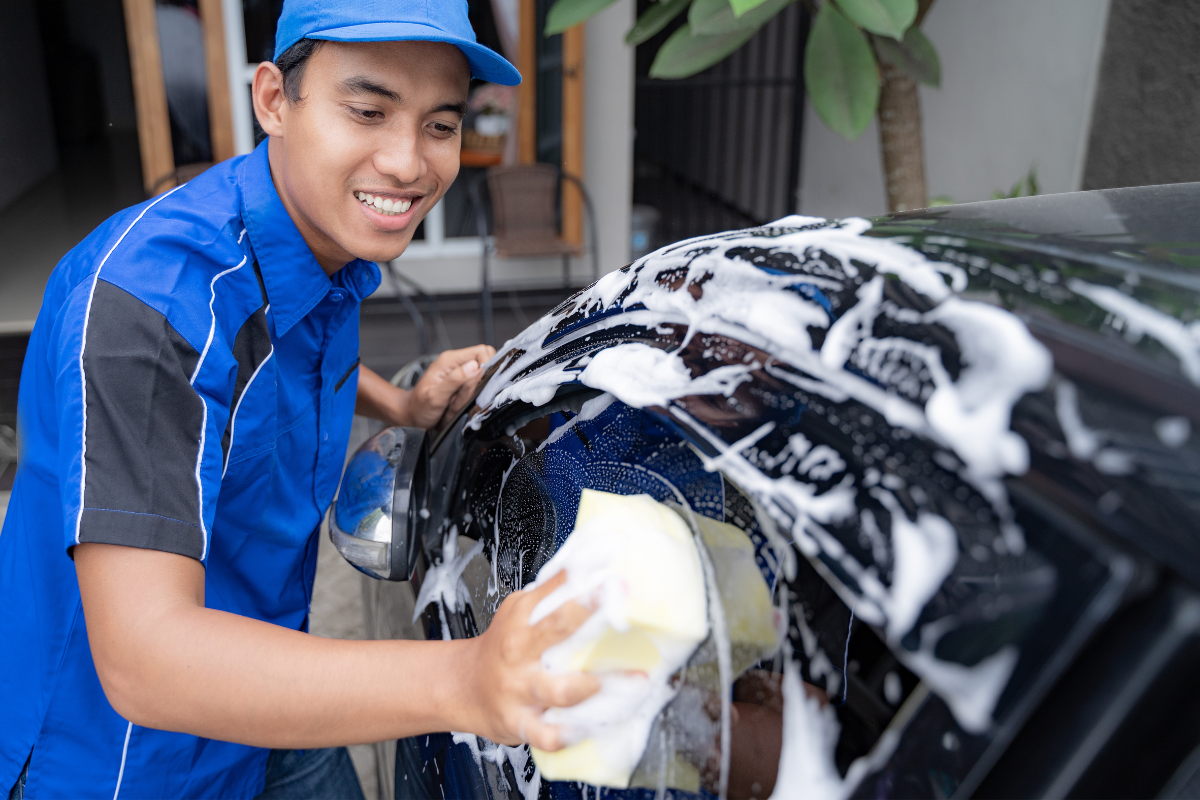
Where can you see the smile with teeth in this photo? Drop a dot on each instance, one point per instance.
(384, 205)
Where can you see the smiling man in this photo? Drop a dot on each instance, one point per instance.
(185, 407)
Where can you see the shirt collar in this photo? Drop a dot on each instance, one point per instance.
(294, 281)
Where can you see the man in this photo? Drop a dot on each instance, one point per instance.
(185, 408)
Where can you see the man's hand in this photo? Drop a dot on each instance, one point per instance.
(510, 688)
(446, 385)
(444, 388)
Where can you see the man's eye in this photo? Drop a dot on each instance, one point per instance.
(442, 127)
(370, 113)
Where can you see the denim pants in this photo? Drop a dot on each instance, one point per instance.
(326, 773)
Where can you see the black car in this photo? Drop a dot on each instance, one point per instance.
(957, 440)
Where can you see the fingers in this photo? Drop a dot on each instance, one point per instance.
(535, 595)
(454, 373)
(560, 624)
(454, 359)
(564, 690)
(539, 733)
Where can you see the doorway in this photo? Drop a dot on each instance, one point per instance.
(721, 149)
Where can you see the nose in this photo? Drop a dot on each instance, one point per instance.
(400, 156)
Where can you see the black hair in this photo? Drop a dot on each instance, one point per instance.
(291, 63)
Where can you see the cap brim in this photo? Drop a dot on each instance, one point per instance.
(486, 64)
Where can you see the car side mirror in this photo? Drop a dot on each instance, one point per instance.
(380, 512)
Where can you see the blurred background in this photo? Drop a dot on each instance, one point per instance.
(107, 102)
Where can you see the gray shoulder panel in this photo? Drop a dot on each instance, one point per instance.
(143, 424)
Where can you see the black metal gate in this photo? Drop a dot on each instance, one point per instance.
(721, 150)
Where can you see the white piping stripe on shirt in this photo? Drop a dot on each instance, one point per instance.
(124, 752)
(233, 419)
(87, 314)
(199, 483)
(212, 329)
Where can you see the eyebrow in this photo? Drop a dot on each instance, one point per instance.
(360, 84)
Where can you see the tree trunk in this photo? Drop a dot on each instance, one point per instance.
(900, 140)
(900, 133)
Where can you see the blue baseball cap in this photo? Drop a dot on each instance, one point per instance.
(392, 21)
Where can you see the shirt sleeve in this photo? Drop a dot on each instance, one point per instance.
(137, 452)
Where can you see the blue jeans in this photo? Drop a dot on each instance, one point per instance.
(327, 774)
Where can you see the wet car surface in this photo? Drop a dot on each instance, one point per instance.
(958, 445)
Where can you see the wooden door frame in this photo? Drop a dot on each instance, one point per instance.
(150, 92)
(572, 111)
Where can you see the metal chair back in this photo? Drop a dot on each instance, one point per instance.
(525, 223)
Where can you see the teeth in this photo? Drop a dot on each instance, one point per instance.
(384, 205)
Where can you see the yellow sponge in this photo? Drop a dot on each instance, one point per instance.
(635, 561)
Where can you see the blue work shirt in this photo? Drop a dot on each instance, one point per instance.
(189, 387)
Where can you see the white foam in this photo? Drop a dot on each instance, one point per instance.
(664, 376)
(1140, 319)
(443, 583)
(810, 735)
(924, 554)
(970, 692)
(1173, 431)
(1083, 442)
(483, 749)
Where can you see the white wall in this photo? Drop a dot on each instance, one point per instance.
(608, 172)
(1018, 78)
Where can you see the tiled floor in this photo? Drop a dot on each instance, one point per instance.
(388, 342)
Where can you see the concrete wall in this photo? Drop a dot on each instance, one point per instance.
(27, 152)
(1018, 79)
(608, 172)
(1146, 121)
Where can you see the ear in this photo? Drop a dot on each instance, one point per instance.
(267, 92)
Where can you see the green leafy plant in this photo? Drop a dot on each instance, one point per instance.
(862, 58)
(841, 71)
(1026, 186)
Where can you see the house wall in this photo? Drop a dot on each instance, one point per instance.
(608, 172)
(1018, 80)
(27, 151)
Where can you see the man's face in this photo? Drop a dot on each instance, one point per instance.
(370, 148)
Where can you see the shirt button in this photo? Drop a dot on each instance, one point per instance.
(337, 295)
(325, 436)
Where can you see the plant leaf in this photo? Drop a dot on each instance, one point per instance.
(684, 53)
(742, 6)
(882, 17)
(569, 13)
(655, 19)
(914, 55)
(840, 74)
(712, 17)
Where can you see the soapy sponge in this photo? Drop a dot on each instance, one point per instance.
(635, 561)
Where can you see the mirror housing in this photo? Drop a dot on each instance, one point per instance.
(380, 512)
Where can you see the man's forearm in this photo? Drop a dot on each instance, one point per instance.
(378, 399)
(176, 665)
(236, 679)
